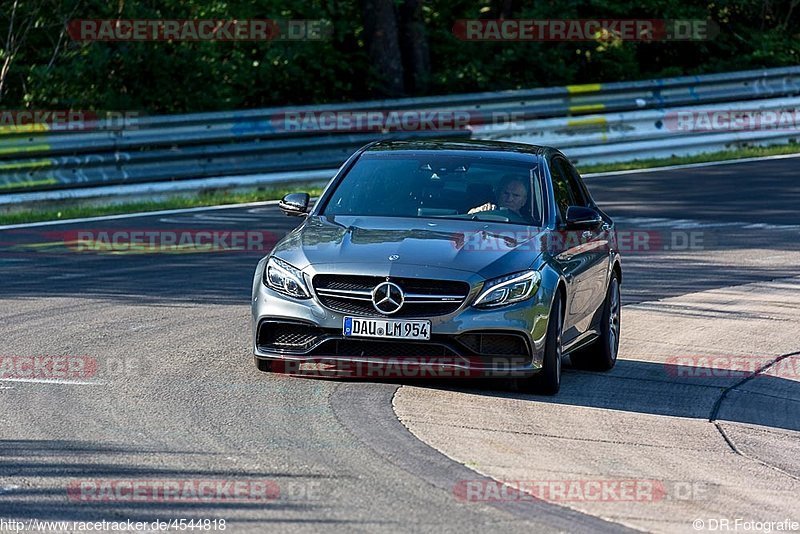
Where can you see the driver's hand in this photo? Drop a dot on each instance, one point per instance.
(483, 207)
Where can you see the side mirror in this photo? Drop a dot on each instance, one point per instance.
(295, 204)
(579, 217)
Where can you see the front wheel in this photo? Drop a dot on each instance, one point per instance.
(601, 355)
(548, 380)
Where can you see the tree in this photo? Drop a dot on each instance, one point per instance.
(383, 45)
(414, 47)
(18, 27)
(32, 32)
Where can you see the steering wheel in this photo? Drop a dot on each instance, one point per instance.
(509, 214)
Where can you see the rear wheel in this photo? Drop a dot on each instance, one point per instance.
(601, 355)
(548, 380)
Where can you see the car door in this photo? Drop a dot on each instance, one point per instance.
(595, 250)
(574, 252)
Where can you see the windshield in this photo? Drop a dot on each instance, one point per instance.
(445, 186)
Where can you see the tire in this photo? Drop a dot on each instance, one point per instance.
(263, 365)
(548, 380)
(601, 355)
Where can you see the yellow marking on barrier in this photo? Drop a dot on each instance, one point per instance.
(585, 88)
(76, 245)
(22, 149)
(103, 247)
(24, 128)
(45, 244)
(37, 164)
(585, 108)
(30, 183)
(170, 249)
(590, 121)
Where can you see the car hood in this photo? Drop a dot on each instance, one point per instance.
(486, 248)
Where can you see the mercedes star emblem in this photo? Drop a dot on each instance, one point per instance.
(387, 298)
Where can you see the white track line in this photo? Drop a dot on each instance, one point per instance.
(54, 381)
(273, 202)
(688, 224)
(139, 214)
(688, 166)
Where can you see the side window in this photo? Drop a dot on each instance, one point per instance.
(572, 178)
(561, 189)
(536, 198)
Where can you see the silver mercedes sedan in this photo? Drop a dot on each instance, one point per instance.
(443, 259)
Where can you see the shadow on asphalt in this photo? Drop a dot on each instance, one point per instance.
(226, 278)
(672, 389)
(71, 463)
(136, 280)
(765, 191)
(36, 262)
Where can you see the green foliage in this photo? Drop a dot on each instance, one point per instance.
(51, 71)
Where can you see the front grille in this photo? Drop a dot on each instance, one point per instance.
(494, 344)
(295, 337)
(366, 309)
(351, 294)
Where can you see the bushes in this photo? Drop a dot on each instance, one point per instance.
(163, 77)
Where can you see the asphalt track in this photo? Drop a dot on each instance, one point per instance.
(174, 395)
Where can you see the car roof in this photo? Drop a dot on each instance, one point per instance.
(498, 148)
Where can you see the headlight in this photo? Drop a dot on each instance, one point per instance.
(507, 289)
(286, 279)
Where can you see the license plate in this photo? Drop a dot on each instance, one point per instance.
(386, 328)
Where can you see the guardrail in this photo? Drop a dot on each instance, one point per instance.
(651, 133)
(590, 123)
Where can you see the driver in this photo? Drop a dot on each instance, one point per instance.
(512, 194)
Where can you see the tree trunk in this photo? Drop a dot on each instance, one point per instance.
(506, 9)
(383, 45)
(414, 47)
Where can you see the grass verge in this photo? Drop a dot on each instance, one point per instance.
(202, 199)
(724, 155)
(273, 193)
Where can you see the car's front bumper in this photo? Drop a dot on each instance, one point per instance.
(470, 342)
